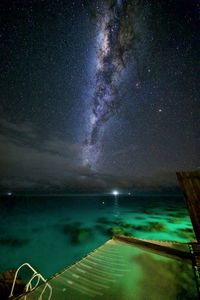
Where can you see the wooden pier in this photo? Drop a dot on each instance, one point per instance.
(190, 185)
(121, 269)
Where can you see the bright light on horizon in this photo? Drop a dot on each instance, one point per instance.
(115, 193)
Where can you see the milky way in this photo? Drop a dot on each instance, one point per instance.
(115, 42)
(98, 94)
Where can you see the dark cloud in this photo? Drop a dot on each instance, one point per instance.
(27, 158)
(52, 164)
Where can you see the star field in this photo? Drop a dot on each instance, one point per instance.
(98, 94)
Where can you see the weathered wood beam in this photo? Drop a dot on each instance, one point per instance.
(154, 247)
(190, 185)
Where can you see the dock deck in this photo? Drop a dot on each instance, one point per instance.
(123, 271)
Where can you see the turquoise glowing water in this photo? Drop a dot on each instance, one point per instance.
(51, 232)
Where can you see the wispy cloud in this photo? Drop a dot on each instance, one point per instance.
(25, 157)
(125, 150)
(28, 161)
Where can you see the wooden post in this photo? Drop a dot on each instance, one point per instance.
(190, 185)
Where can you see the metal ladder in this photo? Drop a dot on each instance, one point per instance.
(28, 286)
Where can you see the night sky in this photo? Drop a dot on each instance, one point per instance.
(98, 94)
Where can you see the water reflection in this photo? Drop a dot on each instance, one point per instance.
(116, 206)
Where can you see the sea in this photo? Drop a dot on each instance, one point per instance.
(52, 232)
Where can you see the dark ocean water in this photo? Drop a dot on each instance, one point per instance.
(52, 232)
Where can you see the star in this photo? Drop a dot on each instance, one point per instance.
(79, 92)
(137, 85)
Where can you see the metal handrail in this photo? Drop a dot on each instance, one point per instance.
(46, 284)
(50, 289)
(29, 284)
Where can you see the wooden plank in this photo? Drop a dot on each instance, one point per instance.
(195, 251)
(190, 185)
(155, 247)
(119, 270)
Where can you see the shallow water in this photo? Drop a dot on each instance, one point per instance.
(52, 232)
